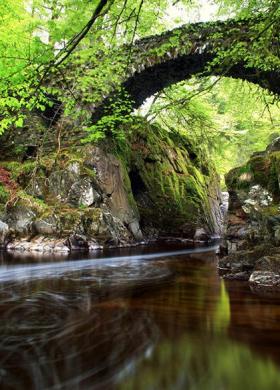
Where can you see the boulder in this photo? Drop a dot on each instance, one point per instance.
(20, 218)
(82, 193)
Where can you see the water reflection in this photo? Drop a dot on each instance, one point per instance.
(196, 362)
(162, 321)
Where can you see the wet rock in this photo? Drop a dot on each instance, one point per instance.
(265, 280)
(93, 245)
(77, 242)
(39, 244)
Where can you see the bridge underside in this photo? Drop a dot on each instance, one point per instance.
(154, 79)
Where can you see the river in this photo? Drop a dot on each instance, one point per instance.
(147, 318)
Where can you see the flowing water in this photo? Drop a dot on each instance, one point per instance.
(144, 318)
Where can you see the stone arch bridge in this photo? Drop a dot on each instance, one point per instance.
(159, 61)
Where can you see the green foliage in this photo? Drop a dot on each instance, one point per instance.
(4, 195)
(113, 121)
(34, 34)
(17, 168)
(230, 119)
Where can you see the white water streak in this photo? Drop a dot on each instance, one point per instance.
(10, 273)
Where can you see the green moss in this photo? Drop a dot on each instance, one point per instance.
(38, 205)
(274, 172)
(18, 168)
(69, 218)
(240, 177)
(270, 211)
(85, 171)
(260, 167)
(175, 190)
(4, 195)
(127, 185)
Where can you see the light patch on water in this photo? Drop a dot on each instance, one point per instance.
(9, 273)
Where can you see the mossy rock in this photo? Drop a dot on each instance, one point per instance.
(260, 168)
(169, 187)
(239, 178)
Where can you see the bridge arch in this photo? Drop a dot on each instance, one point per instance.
(160, 61)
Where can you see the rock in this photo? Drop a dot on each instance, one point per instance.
(175, 186)
(254, 212)
(265, 280)
(244, 276)
(224, 203)
(82, 193)
(135, 230)
(85, 197)
(201, 235)
(269, 263)
(274, 146)
(233, 245)
(39, 244)
(4, 232)
(245, 261)
(77, 242)
(47, 226)
(20, 218)
(234, 219)
(70, 186)
(253, 229)
(114, 183)
(258, 197)
(93, 245)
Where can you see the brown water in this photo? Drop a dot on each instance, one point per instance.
(143, 321)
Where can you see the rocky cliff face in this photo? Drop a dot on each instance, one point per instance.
(76, 200)
(88, 197)
(254, 219)
(174, 184)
